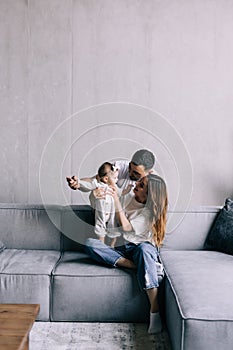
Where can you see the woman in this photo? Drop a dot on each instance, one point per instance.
(143, 220)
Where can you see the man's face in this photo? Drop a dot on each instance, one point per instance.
(136, 172)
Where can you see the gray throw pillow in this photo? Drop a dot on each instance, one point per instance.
(2, 246)
(220, 237)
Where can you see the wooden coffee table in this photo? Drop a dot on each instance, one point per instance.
(16, 321)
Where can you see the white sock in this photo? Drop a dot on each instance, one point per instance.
(155, 323)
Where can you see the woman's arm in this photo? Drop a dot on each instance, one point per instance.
(124, 222)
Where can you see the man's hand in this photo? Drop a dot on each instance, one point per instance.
(73, 182)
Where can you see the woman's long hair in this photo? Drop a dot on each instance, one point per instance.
(157, 204)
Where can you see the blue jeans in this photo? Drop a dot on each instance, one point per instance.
(144, 256)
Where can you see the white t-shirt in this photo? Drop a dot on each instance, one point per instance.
(138, 215)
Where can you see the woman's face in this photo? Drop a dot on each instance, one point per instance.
(141, 190)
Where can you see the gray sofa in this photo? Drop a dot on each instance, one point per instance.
(42, 265)
(198, 286)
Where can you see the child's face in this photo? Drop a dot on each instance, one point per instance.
(113, 176)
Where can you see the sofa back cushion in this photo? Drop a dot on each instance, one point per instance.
(189, 230)
(30, 226)
(77, 225)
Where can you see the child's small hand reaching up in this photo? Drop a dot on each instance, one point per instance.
(73, 182)
(127, 189)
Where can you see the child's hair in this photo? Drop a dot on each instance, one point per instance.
(105, 168)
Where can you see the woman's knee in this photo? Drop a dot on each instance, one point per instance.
(90, 243)
(93, 243)
(147, 249)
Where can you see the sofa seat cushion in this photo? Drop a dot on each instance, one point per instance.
(86, 291)
(198, 295)
(25, 278)
(28, 261)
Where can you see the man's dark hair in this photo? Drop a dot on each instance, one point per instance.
(145, 158)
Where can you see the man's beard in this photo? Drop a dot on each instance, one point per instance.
(133, 178)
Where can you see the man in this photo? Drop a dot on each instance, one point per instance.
(141, 164)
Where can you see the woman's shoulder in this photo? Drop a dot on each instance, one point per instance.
(146, 212)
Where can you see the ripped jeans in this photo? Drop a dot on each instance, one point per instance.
(144, 255)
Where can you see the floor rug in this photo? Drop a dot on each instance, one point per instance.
(95, 336)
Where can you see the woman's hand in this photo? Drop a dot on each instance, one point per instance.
(99, 193)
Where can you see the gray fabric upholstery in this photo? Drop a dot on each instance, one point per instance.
(84, 291)
(29, 227)
(198, 299)
(26, 289)
(77, 226)
(21, 261)
(25, 277)
(2, 246)
(191, 231)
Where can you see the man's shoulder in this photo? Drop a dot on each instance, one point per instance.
(122, 163)
(122, 166)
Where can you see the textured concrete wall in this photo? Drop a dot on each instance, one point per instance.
(170, 61)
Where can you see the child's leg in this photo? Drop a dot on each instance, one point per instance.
(113, 230)
(113, 242)
(102, 239)
(100, 219)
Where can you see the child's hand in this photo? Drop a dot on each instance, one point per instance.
(73, 182)
(127, 189)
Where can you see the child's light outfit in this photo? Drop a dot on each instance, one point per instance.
(105, 223)
(123, 178)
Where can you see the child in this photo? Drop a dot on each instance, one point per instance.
(105, 224)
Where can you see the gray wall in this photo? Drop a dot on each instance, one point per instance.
(84, 81)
